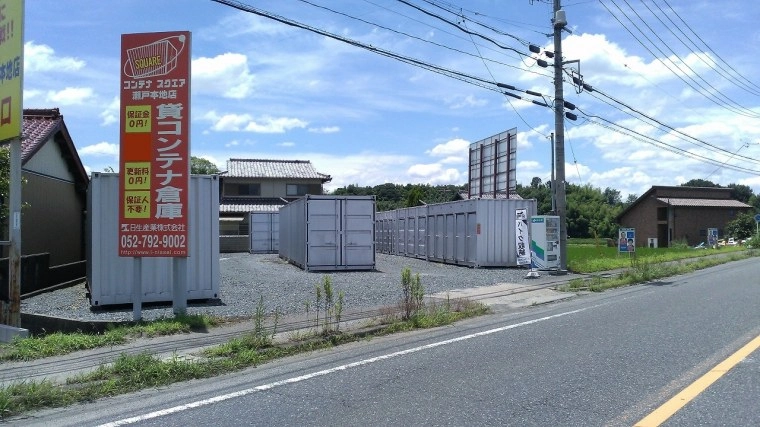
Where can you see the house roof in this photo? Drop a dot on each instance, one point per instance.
(248, 205)
(42, 125)
(703, 203)
(273, 169)
(722, 199)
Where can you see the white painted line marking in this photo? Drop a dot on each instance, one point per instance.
(270, 386)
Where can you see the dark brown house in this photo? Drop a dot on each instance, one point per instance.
(663, 214)
(54, 194)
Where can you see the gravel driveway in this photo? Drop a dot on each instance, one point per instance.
(246, 277)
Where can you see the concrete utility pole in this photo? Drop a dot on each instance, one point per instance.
(559, 133)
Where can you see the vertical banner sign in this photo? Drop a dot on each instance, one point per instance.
(11, 68)
(712, 237)
(521, 236)
(154, 160)
(627, 241)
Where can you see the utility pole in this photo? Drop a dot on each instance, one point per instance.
(558, 185)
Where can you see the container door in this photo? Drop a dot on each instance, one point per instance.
(323, 232)
(261, 233)
(275, 236)
(411, 235)
(449, 239)
(357, 248)
(460, 238)
(472, 238)
(440, 237)
(421, 236)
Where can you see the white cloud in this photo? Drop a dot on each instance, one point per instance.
(287, 144)
(70, 96)
(326, 129)
(110, 114)
(434, 174)
(100, 149)
(455, 147)
(247, 123)
(467, 101)
(226, 74)
(40, 57)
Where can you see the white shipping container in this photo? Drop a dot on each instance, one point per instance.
(476, 232)
(264, 232)
(329, 233)
(110, 277)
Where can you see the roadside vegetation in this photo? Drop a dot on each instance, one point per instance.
(58, 343)
(136, 372)
(593, 255)
(645, 265)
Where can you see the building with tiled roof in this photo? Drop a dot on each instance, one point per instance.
(54, 192)
(261, 185)
(666, 214)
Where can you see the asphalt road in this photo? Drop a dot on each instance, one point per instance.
(601, 359)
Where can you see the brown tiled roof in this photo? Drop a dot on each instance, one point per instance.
(39, 125)
(703, 203)
(261, 168)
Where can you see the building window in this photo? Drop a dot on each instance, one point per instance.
(297, 189)
(662, 214)
(248, 189)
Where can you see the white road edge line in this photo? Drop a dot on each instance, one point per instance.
(363, 362)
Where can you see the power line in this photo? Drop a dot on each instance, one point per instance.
(714, 65)
(738, 74)
(735, 108)
(467, 78)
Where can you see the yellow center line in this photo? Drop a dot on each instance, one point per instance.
(659, 415)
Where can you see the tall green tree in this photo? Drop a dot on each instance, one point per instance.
(740, 192)
(201, 166)
(742, 227)
(699, 183)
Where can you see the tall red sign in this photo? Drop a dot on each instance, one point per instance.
(154, 161)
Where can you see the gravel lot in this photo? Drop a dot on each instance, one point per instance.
(246, 277)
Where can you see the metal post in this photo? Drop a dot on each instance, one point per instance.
(137, 289)
(179, 285)
(559, 132)
(12, 313)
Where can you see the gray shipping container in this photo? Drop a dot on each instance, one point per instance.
(264, 232)
(110, 277)
(476, 233)
(329, 233)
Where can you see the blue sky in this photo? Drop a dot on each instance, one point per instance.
(262, 89)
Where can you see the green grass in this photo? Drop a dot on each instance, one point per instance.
(643, 270)
(58, 343)
(586, 257)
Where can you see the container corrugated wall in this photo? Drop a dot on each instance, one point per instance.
(476, 233)
(264, 232)
(110, 277)
(329, 233)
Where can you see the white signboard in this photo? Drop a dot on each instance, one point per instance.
(522, 237)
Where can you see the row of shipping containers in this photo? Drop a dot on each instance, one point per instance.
(110, 277)
(475, 232)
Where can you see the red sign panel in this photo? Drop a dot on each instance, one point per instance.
(154, 162)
